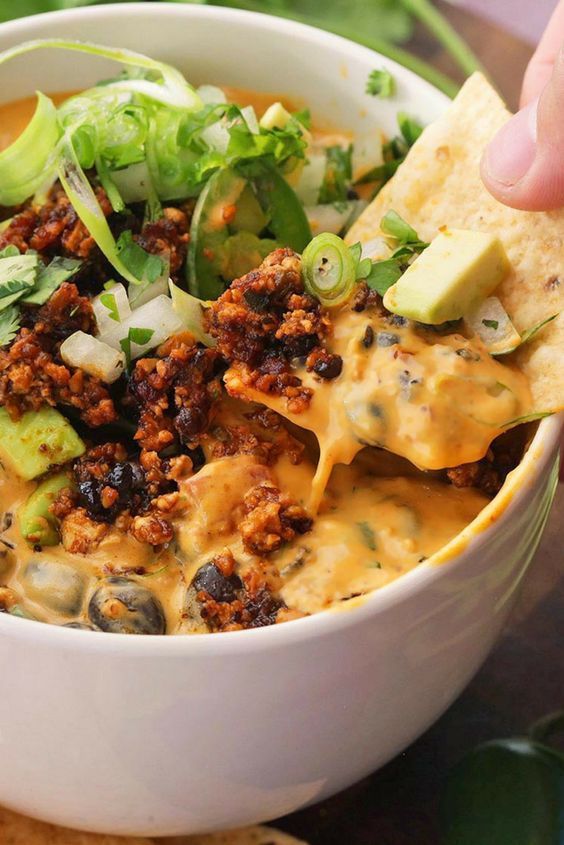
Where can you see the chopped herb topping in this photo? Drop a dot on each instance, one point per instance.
(368, 535)
(138, 336)
(50, 278)
(338, 175)
(108, 300)
(381, 83)
(491, 324)
(9, 324)
(144, 266)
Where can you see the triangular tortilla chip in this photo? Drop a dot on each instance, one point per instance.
(19, 830)
(439, 184)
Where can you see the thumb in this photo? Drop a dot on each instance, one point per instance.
(523, 166)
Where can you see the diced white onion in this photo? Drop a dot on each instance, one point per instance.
(104, 321)
(492, 324)
(211, 94)
(311, 178)
(217, 136)
(93, 356)
(140, 294)
(331, 217)
(133, 182)
(157, 315)
(251, 119)
(191, 311)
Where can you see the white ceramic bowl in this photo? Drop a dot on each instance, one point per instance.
(171, 735)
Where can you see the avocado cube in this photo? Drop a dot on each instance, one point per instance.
(451, 277)
(37, 441)
(37, 524)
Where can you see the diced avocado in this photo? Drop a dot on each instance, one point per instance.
(37, 441)
(37, 524)
(450, 278)
(275, 117)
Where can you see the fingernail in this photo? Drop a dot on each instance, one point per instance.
(511, 153)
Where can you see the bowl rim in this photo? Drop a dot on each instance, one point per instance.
(326, 622)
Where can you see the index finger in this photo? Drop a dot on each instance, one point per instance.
(540, 67)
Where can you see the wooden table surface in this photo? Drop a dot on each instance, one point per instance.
(522, 679)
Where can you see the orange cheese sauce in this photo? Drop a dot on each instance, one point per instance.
(377, 516)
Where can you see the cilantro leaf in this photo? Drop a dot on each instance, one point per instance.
(410, 129)
(368, 535)
(381, 83)
(338, 175)
(396, 227)
(383, 275)
(491, 324)
(18, 274)
(143, 265)
(9, 324)
(108, 300)
(135, 335)
(50, 278)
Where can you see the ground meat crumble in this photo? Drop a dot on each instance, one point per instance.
(32, 373)
(230, 603)
(263, 322)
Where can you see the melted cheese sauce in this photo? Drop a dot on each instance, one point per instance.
(377, 515)
(437, 400)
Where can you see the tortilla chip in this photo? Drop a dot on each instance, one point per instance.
(19, 830)
(439, 185)
(247, 836)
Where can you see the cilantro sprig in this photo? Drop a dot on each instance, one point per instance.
(9, 324)
(381, 83)
(381, 275)
(135, 335)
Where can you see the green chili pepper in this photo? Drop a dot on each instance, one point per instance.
(209, 231)
(288, 221)
(508, 792)
(231, 212)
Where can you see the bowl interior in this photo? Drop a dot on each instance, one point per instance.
(216, 45)
(223, 46)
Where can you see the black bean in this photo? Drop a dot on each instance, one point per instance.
(329, 367)
(191, 421)
(121, 606)
(396, 320)
(300, 345)
(387, 339)
(219, 586)
(368, 338)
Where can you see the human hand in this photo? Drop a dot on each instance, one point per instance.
(523, 167)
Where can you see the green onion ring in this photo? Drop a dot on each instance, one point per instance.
(329, 270)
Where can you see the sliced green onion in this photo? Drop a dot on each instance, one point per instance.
(84, 201)
(329, 269)
(175, 90)
(24, 164)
